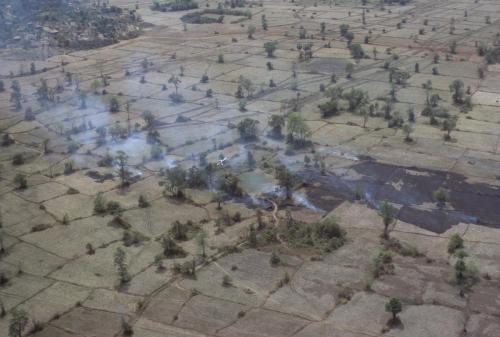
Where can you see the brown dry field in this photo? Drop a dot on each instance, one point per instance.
(74, 294)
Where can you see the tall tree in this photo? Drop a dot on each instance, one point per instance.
(386, 211)
(121, 160)
(286, 179)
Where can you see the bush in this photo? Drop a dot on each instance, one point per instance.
(21, 181)
(72, 147)
(382, 264)
(274, 259)
(325, 236)
(39, 227)
(99, 204)
(176, 98)
(237, 217)
(132, 238)
(455, 243)
(18, 159)
(143, 202)
(171, 249)
(72, 190)
(227, 281)
(68, 168)
(441, 196)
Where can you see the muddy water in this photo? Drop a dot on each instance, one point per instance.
(412, 188)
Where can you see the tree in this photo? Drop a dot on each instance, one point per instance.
(15, 95)
(126, 327)
(121, 265)
(455, 243)
(242, 105)
(201, 240)
(329, 108)
(386, 211)
(274, 260)
(18, 323)
(176, 178)
(394, 306)
(145, 64)
(349, 68)
(143, 201)
(398, 76)
(20, 181)
(101, 135)
(357, 51)
(95, 85)
(448, 126)
(252, 237)
(356, 98)
(407, 130)
(302, 32)
(248, 128)
(121, 159)
(276, 123)
(114, 105)
(453, 47)
(251, 30)
(43, 92)
(170, 248)
(250, 160)
(298, 130)
(83, 99)
(270, 47)
(150, 119)
(364, 113)
(460, 270)
(219, 198)
(245, 84)
(441, 196)
(457, 88)
(175, 81)
(344, 28)
(100, 204)
(349, 36)
(286, 179)
(264, 22)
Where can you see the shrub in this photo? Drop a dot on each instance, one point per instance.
(456, 242)
(171, 249)
(21, 181)
(382, 264)
(441, 196)
(227, 281)
(100, 204)
(132, 238)
(274, 259)
(39, 227)
(143, 202)
(113, 207)
(18, 159)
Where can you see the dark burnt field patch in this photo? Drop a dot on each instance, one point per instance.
(412, 189)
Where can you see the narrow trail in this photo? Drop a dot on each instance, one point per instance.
(276, 222)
